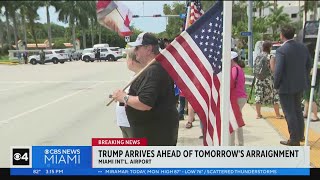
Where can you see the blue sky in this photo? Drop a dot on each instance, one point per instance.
(146, 8)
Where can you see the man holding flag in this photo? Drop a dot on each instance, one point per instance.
(151, 103)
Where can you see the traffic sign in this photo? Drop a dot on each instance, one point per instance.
(127, 38)
(182, 16)
(245, 33)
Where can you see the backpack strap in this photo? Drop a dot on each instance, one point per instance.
(236, 80)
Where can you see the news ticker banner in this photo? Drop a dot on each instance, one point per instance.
(132, 157)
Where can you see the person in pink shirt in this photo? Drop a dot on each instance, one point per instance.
(237, 88)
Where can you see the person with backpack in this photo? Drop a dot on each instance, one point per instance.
(237, 88)
(265, 93)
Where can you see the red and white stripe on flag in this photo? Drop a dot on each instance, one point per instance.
(195, 13)
(194, 61)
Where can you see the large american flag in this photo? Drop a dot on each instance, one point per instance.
(194, 61)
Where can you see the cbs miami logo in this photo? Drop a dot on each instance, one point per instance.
(21, 157)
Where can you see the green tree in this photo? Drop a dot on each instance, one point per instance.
(69, 12)
(7, 5)
(206, 5)
(238, 12)
(32, 16)
(23, 13)
(57, 31)
(277, 18)
(12, 8)
(174, 25)
(47, 5)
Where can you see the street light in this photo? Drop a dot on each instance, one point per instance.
(157, 15)
(135, 16)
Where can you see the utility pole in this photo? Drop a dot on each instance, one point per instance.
(315, 10)
(250, 38)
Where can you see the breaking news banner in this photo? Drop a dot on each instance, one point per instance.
(120, 156)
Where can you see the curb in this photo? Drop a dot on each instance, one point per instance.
(9, 63)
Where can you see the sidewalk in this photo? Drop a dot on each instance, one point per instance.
(267, 131)
(257, 132)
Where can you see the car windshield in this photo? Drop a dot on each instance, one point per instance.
(87, 51)
(114, 49)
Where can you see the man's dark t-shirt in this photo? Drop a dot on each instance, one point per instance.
(155, 88)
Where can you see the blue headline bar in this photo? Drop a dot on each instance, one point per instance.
(163, 171)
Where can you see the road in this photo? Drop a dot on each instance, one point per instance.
(58, 104)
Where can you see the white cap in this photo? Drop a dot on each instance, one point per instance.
(144, 39)
(234, 54)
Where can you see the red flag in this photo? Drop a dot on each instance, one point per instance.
(194, 61)
(114, 16)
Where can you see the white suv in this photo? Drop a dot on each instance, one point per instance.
(106, 53)
(53, 55)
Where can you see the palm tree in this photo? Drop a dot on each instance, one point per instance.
(267, 4)
(277, 18)
(70, 13)
(1, 35)
(308, 6)
(47, 5)
(275, 4)
(93, 19)
(315, 10)
(237, 12)
(83, 23)
(83, 19)
(12, 8)
(6, 6)
(23, 11)
(259, 5)
(32, 16)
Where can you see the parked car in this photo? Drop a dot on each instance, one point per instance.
(54, 55)
(106, 53)
(100, 46)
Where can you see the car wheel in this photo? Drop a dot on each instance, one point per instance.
(55, 61)
(86, 59)
(33, 61)
(111, 58)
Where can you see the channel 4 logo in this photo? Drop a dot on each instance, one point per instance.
(21, 157)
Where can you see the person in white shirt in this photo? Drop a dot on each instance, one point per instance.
(122, 119)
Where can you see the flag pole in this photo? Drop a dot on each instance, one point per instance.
(187, 16)
(226, 67)
(135, 77)
(314, 76)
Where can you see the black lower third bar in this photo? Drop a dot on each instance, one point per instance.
(4, 172)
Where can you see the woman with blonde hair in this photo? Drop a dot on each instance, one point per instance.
(122, 119)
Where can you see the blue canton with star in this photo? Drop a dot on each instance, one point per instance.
(207, 34)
